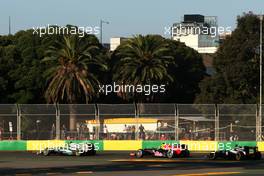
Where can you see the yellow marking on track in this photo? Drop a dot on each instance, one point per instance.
(155, 165)
(209, 173)
(84, 172)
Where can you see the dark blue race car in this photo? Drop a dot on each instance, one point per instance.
(238, 153)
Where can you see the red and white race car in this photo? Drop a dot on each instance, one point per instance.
(165, 150)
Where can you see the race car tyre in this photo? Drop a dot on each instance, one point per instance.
(92, 152)
(170, 154)
(212, 156)
(187, 153)
(258, 156)
(46, 152)
(139, 154)
(77, 153)
(238, 156)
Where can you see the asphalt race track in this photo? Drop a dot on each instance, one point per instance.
(119, 163)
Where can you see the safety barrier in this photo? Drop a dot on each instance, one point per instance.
(125, 145)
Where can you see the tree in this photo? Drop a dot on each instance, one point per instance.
(142, 60)
(7, 53)
(187, 73)
(152, 60)
(69, 76)
(236, 65)
(25, 74)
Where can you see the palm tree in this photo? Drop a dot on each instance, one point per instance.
(142, 60)
(69, 75)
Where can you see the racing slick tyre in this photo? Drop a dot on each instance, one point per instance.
(258, 156)
(139, 154)
(78, 153)
(212, 156)
(238, 156)
(91, 153)
(46, 152)
(170, 154)
(186, 153)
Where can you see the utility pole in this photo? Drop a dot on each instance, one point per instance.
(101, 30)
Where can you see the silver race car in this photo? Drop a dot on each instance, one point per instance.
(71, 149)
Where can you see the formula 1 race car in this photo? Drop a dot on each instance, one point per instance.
(165, 150)
(238, 153)
(71, 149)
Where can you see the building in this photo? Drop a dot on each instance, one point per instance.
(224, 36)
(115, 42)
(198, 32)
(106, 45)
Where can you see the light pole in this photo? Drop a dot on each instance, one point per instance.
(101, 30)
(9, 25)
(260, 81)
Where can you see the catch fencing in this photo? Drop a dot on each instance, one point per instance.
(205, 122)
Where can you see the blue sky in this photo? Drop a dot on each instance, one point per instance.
(126, 17)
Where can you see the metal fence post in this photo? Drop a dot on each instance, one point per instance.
(57, 121)
(97, 119)
(216, 122)
(176, 109)
(136, 118)
(18, 122)
(258, 125)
